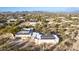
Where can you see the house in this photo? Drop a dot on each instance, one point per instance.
(37, 36)
(74, 17)
(23, 24)
(49, 19)
(61, 17)
(24, 33)
(2, 22)
(49, 39)
(11, 20)
(33, 22)
(42, 38)
(21, 18)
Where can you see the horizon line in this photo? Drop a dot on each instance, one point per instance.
(42, 9)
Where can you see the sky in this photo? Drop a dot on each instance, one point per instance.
(48, 9)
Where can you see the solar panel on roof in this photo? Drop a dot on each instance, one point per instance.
(24, 32)
(47, 37)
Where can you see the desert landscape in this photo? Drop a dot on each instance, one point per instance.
(39, 31)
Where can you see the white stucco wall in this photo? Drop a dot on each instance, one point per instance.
(47, 41)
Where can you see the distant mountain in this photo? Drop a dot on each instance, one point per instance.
(39, 9)
(25, 12)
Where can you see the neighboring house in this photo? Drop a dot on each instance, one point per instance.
(49, 19)
(23, 24)
(21, 18)
(61, 17)
(32, 22)
(1, 24)
(75, 17)
(50, 22)
(24, 33)
(11, 20)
